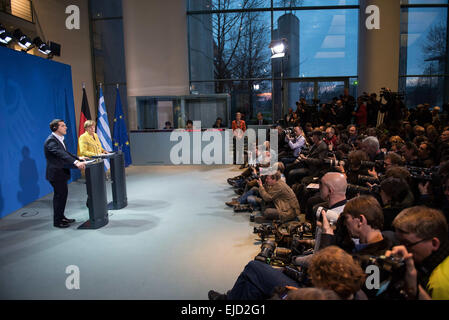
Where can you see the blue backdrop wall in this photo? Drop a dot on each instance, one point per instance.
(33, 91)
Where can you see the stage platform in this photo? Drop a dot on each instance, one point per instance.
(176, 239)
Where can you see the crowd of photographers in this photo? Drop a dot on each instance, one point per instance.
(356, 206)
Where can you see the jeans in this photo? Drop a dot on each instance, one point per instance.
(257, 282)
(249, 196)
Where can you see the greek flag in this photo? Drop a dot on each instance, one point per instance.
(104, 134)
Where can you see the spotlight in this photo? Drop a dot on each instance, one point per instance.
(278, 48)
(22, 40)
(5, 36)
(41, 46)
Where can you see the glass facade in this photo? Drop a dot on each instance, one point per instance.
(228, 51)
(424, 75)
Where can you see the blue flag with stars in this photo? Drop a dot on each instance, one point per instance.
(120, 140)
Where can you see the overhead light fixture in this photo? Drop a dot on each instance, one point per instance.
(5, 36)
(278, 48)
(41, 46)
(22, 40)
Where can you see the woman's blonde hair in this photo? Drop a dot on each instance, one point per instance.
(89, 123)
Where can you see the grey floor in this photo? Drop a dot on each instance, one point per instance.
(176, 239)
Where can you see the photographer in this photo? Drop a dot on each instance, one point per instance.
(331, 269)
(395, 195)
(424, 233)
(330, 138)
(410, 154)
(299, 169)
(371, 146)
(286, 206)
(363, 219)
(296, 143)
(361, 114)
(392, 108)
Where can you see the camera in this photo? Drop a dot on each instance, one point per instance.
(391, 96)
(295, 274)
(289, 132)
(331, 215)
(323, 163)
(266, 252)
(362, 179)
(264, 230)
(354, 189)
(423, 174)
(288, 234)
(392, 273)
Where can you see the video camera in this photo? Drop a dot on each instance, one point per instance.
(390, 96)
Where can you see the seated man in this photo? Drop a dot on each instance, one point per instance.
(299, 168)
(286, 206)
(296, 143)
(423, 232)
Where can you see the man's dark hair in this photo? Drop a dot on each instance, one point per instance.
(317, 133)
(54, 124)
(411, 146)
(367, 206)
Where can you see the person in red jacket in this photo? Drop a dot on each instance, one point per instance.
(361, 115)
(238, 123)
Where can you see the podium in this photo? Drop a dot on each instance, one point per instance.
(119, 198)
(117, 161)
(97, 200)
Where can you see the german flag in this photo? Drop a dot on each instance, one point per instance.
(84, 116)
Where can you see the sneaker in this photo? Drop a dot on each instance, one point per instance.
(238, 191)
(214, 295)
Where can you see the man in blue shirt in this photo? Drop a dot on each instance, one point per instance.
(296, 143)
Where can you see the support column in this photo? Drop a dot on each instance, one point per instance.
(378, 52)
(156, 50)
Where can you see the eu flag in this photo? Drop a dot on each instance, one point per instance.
(120, 140)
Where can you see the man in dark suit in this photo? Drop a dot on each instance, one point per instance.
(59, 162)
(260, 120)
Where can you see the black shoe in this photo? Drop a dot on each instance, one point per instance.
(214, 295)
(66, 220)
(239, 191)
(243, 208)
(61, 225)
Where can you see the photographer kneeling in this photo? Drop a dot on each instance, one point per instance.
(286, 206)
